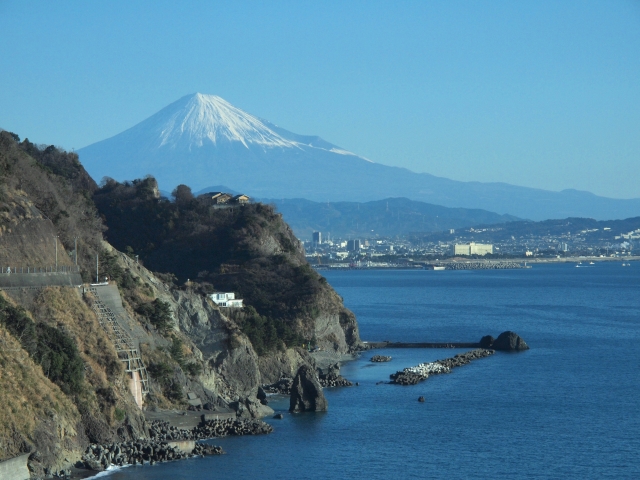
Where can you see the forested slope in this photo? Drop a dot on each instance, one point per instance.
(246, 249)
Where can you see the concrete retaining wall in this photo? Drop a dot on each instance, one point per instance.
(135, 387)
(15, 468)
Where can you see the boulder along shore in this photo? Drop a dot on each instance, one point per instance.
(167, 443)
(328, 377)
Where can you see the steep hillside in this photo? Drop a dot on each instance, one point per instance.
(248, 250)
(187, 343)
(62, 370)
(45, 191)
(60, 379)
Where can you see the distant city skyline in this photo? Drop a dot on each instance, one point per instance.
(541, 94)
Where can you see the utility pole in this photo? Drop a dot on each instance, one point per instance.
(75, 249)
(97, 280)
(56, 240)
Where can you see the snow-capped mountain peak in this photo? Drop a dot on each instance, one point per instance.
(198, 119)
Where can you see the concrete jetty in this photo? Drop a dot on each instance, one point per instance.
(372, 345)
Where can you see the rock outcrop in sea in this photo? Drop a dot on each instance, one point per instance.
(306, 392)
(507, 341)
(380, 358)
(332, 377)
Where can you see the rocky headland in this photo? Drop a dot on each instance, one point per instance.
(149, 339)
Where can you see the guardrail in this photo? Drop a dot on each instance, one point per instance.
(59, 269)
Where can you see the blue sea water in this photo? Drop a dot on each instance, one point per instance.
(567, 408)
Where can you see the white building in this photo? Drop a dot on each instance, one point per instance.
(225, 299)
(471, 249)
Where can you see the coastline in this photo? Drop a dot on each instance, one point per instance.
(186, 420)
(459, 263)
(325, 358)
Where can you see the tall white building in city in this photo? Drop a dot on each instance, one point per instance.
(472, 248)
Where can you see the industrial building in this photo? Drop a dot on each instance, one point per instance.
(353, 245)
(471, 249)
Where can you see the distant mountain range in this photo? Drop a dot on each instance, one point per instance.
(387, 218)
(201, 140)
(584, 230)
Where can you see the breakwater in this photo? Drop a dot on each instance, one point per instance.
(422, 371)
(209, 429)
(168, 443)
(485, 265)
(385, 344)
(99, 457)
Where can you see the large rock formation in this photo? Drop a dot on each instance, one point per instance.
(510, 342)
(330, 377)
(306, 392)
(284, 364)
(487, 341)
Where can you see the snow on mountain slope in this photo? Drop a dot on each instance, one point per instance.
(199, 120)
(203, 118)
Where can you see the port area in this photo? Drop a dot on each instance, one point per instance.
(385, 344)
(461, 263)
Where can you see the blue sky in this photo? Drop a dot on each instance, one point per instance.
(543, 94)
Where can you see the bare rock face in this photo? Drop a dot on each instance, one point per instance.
(278, 365)
(306, 392)
(509, 342)
(236, 369)
(487, 341)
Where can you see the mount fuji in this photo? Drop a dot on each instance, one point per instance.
(202, 140)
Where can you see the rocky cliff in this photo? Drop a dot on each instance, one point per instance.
(248, 250)
(62, 376)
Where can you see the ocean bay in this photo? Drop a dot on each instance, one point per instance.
(566, 408)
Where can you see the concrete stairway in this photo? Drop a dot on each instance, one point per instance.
(102, 299)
